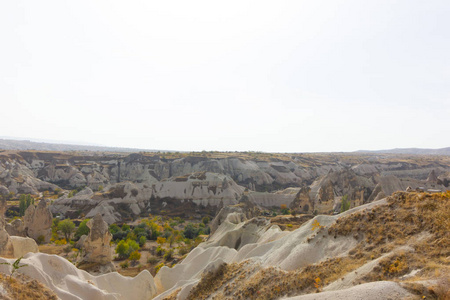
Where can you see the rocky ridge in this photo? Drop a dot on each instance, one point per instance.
(122, 187)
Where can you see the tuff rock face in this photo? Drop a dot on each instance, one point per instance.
(96, 245)
(302, 202)
(6, 246)
(38, 221)
(122, 187)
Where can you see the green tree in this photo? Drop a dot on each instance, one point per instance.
(190, 231)
(135, 256)
(22, 204)
(345, 203)
(83, 229)
(66, 227)
(133, 245)
(122, 249)
(29, 200)
(113, 228)
(206, 220)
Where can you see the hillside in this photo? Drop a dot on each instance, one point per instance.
(124, 186)
(398, 247)
(421, 151)
(394, 248)
(16, 144)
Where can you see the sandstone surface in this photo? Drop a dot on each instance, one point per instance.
(96, 246)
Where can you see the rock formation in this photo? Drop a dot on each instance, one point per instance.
(16, 228)
(130, 185)
(70, 283)
(38, 222)
(237, 213)
(6, 246)
(13, 246)
(23, 245)
(257, 259)
(432, 177)
(302, 202)
(96, 246)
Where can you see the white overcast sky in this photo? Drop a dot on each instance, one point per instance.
(284, 76)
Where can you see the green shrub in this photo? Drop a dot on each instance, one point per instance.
(40, 240)
(158, 267)
(124, 265)
(168, 255)
(82, 229)
(160, 251)
(135, 256)
(142, 241)
(113, 228)
(182, 250)
(152, 260)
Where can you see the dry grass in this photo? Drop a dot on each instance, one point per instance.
(244, 281)
(52, 249)
(23, 288)
(173, 295)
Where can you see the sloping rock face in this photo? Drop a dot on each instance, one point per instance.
(274, 199)
(96, 246)
(326, 192)
(138, 183)
(70, 283)
(38, 221)
(325, 258)
(237, 213)
(193, 193)
(31, 171)
(17, 177)
(262, 246)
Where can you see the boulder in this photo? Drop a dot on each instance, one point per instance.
(38, 222)
(3, 190)
(80, 242)
(23, 245)
(16, 228)
(96, 246)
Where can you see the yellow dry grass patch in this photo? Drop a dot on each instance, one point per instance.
(25, 289)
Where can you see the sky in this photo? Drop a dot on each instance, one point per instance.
(275, 76)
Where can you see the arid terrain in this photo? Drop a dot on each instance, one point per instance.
(225, 225)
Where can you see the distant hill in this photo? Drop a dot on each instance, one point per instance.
(8, 144)
(442, 151)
